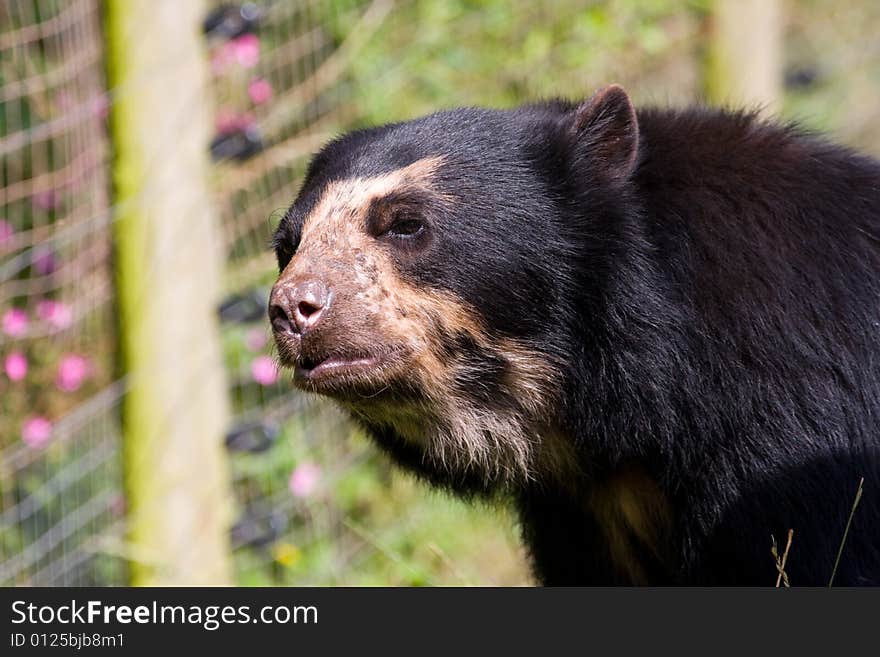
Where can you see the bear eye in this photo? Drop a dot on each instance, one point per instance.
(285, 249)
(406, 227)
(284, 255)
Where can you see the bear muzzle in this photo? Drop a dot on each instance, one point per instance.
(325, 338)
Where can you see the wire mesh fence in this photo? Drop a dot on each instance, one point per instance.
(313, 503)
(55, 296)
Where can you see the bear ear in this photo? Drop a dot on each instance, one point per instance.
(606, 132)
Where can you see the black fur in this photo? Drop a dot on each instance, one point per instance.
(715, 303)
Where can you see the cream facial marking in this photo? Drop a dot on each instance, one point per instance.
(374, 306)
(344, 203)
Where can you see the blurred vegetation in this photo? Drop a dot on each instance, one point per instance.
(432, 55)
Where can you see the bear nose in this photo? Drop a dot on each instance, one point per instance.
(298, 307)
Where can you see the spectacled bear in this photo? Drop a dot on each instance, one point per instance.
(657, 332)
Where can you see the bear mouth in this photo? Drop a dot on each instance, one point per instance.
(338, 372)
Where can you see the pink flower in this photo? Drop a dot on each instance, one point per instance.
(246, 49)
(36, 432)
(6, 231)
(229, 121)
(221, 59)
(259, 90)
(100, 106)
(304, 479)
(226, 120)
(64, 100)
(263, 370)
(57, 314)
(255, 339)
(43, 261)
(15, 365)
(15, 322)
(48, 199)
(72, 371)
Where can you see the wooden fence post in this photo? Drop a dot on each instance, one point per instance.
(167, 249)
(744, 63)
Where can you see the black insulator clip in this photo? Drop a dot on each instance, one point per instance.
(237, 145)
(254, 437)
(231, 21)
(800, 78)
(258, 527)
(243, 308)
